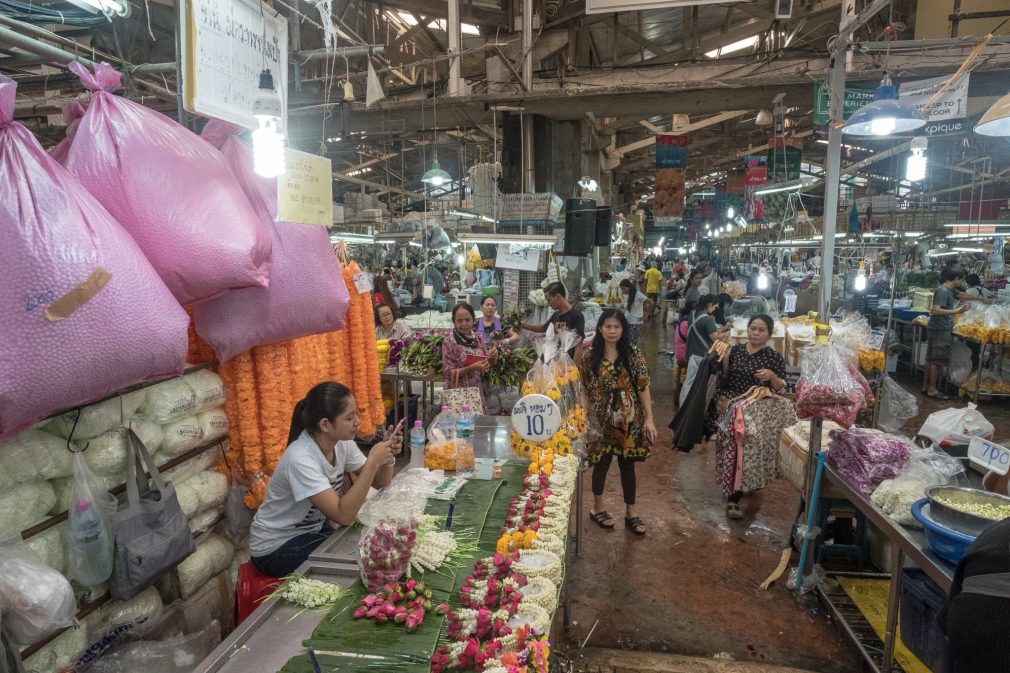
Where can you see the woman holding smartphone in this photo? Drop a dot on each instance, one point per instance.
(616, 380)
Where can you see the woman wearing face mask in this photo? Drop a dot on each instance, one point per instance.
(464, 355)
(489, 322)
(616, 379)
(744, 366)
(636, 308)
(387, 326)
(306, 490)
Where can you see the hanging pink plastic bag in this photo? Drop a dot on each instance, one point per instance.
(172, 192)
(72, 113)
(307, 293)
(84, 314)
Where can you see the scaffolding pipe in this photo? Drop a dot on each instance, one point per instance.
(31, 30)
(340, 52)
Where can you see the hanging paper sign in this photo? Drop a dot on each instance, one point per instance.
(755, 170)
(946, 113)
(989, 455)
(305, 191)
(517, 256)
(536, 417)
(226, 44)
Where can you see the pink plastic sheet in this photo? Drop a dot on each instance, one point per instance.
(72, 113)
(172, 191)
(307, 294)
(63, 341)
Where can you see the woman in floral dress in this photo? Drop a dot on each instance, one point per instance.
(616, 380)
(464, 355)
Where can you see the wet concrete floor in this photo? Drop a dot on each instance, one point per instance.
(691, 585)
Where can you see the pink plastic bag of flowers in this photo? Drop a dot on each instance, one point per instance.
(85, 314)
(72, 113)
(173, 192)
(307, 294)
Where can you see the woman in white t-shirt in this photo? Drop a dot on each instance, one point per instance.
(304, 494)
(635, 308)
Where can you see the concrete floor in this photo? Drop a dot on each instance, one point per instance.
(690, 587)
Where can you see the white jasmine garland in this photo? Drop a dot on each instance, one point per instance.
(309, 594)
(538, 563)
(541, 592)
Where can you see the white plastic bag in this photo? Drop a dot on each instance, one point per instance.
(896, 406)
(88, 533)
(24, 505)
(35, 599)
(214, 424)
(34, 455)
(956, 426)
(182, 436)
(960, 362)
(106, 454)
(169, 401)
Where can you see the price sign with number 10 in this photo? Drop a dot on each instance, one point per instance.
(536, 418)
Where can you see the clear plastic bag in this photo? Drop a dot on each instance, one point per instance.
(34, 455)
(385, 548)
(830, 385)
(88, 533)
(35, 599)
(865, 457)
(238, 517)
(960, 362)
(925, 468)
(96, 419)
(169, 401)
(182, 436)
(208, 389)
(214, 424)
(853, 331)
(896, 405)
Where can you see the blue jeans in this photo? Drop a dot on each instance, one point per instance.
(285, 559)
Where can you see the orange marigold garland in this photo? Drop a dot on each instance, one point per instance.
(241, 371)
(359, 367)
(374, 385)
(227, 374)
(273, 389)
(336, 355)
(199, 350)
(297, 375)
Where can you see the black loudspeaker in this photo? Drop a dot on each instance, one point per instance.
(580, 226)
(603, 215)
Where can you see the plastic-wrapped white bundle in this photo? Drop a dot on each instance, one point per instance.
(33, 455)
(207, 387)
(150, 433)
(212, 487)
(97, 419)
(214, 424)
(106, 454)
(35, 599)
(60, 652)
(24, 506)
(204, 521)
(49, 546)
(145, 605)
(187, 469)
(181, 436)
(168, 401)
(62, 487)
(189, 499)
(212, 556)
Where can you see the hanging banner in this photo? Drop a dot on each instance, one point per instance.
(784, 158)
(945, 116)
(755, 170)
(671, 179)
(855, 98)
(226, 44)
(305, 191)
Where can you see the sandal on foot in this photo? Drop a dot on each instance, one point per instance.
(635, 525)
(938, 396)
(602, 519)
(733, 510)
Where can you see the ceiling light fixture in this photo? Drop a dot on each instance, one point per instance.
(268, 141)
(885, 115)
(996, 120)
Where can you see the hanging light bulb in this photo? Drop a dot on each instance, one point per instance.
(885, 115)
(762, 282)
(268, 141)
(915, 170)
(859, 284)
(435, 177)
(730, 212)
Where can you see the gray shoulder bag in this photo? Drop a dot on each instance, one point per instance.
(151, 532)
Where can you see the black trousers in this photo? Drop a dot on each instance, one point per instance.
(627, 466)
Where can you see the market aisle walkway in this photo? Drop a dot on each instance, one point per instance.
(690, 587)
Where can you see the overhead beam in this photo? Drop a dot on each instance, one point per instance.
(439, 9)
(651, 140)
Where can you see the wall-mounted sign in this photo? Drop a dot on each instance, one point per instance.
(225, 46)
(305, 191)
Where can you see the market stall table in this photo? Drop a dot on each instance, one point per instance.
(908, 544)
(985, 349)
(402, 378)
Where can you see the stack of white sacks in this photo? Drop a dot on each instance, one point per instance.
(171, 418)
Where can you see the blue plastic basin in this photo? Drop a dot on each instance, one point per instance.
(944, 542)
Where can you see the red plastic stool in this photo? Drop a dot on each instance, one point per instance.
(253, 586)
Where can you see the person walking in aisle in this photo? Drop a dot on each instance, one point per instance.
(703, 328)
(693, 283)
(635, 309)
(306, 490)
(616, 380)
(653, 281)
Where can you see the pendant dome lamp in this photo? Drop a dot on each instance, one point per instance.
(996, 120)
(435, 176)
(885, 115)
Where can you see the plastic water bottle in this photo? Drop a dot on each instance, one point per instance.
(464, 443)
(92, 562)
(443, 426)
(417, 445)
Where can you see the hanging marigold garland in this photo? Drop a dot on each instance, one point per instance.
(241, 372)
(368, 331)
(199, 350)
(359, 349)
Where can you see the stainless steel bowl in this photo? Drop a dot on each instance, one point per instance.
(955, 519)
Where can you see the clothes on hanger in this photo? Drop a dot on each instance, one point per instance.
(747, 439)
(689, 424)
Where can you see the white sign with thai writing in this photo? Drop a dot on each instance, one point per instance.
(517, 256)
(226, 44)
(536, 417)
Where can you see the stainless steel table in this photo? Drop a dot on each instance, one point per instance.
(401, 378)
(909, 544)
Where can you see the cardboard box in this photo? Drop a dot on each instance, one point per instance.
(793, 346)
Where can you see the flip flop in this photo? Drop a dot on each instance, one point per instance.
(733, 510)
(602, 519)
(938, 396)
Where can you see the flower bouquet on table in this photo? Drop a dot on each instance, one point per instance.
(509, 368)
(404, 603)
(385, 550)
